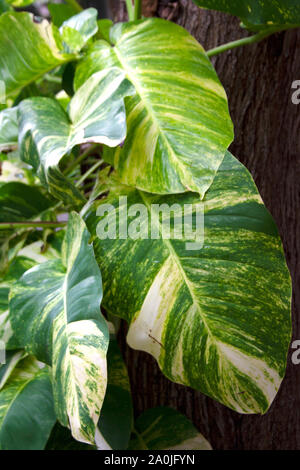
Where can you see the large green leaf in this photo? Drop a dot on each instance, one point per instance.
(216, 318)
(55, 314)
(167, 429)
(26, 408)
(116, 420)
(178, 121)
(259, 14)
(47, 132)
(28, 49)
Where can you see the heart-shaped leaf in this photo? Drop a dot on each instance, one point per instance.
(216, 317)
(178, 121)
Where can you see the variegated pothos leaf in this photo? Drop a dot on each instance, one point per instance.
(96, 114)
(215, 318)
(178, 121)
(55, 314)
(259, 14)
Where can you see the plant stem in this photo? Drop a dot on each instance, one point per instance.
(242, 42)
(130, 10)
(52, 78)
(38, 223)
(137, 9)
(89, 172)
(75, 5)
(80, 159)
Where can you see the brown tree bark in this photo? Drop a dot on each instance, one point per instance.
(258, 81)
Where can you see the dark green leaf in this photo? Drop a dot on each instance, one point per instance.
(259, 14)
(166, 429)
(18, 202)
(178, 121)
(55, 314)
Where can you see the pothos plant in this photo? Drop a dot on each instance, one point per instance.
(92, 112)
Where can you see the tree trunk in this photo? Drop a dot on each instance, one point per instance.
(258, 81)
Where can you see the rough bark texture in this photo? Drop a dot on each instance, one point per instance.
(258, 82)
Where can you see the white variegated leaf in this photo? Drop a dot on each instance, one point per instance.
(26, 408)
(55, 315)
(178, 121)
(47, 132)
(164, 428)
(215, 316)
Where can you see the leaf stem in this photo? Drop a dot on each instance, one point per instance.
(75, 5)
(38, 223)
(248, 40)
(80, 159)
(130, 10)
(137, 9)
(89, 172)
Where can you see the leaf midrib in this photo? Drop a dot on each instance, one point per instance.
(148, 108)
(177, 261)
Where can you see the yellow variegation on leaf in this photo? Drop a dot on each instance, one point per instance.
(216, 318)
(55, 315)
